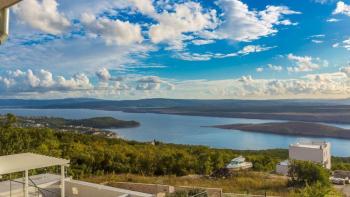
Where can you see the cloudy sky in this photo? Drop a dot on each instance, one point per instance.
(220, 49)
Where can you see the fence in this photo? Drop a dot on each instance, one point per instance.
(244, 195)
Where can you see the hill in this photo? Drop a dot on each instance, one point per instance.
(292, 128)
(97, 122)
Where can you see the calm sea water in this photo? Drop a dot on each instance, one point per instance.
(188, 129)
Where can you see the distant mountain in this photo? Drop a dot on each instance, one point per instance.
(160, 103)
(330, 111)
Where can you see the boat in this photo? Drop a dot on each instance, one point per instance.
(239, 163)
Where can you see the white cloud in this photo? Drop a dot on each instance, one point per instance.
(346, 70)
(187, 17)
(22, 83)
(202, 42)
(246, 50)
(242, 24)
(323, 1)
(259, 69)
(344, 44)
(342, 8)
(253, 49)
(317, 41)
(144, 6)
(332, 20)
(42, 15)
(43, 81)
(112, 31)
(152, 83)
(305, 63)
(275, 67)
(103, 74)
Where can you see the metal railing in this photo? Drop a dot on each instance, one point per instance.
(245, 195)
(38, 191)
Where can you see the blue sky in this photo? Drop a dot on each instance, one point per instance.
(132, 49)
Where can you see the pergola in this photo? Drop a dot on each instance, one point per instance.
(7, 3)
(5, 18)
(29, 161)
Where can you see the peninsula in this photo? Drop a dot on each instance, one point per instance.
(292, 128)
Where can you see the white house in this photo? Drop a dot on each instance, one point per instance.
(318, 152)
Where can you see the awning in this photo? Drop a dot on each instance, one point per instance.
(28, 161)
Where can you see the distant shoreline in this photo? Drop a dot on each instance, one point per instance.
(291, 128)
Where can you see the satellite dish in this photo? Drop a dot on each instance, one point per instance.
(5, 18)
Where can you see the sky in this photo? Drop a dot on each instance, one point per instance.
(199, 49)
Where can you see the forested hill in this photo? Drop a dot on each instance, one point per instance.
(97, 122)
(96, 155)
(292, 128)
(330, 111)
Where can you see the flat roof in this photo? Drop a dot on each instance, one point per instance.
(307, 146)
(27, 161)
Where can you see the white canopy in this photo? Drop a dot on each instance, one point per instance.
(28, 161)
(8, 3)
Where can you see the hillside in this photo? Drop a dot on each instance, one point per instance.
(97, 122)
(330, 111)
(292, 128)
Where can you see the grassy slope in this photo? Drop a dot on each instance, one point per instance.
(252, 182)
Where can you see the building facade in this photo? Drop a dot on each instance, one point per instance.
(318, 152)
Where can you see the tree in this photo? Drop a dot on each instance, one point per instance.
(9, 121)
(305, 173)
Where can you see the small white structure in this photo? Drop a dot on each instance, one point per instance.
(239, 163)
(282, 167)
(318, 152)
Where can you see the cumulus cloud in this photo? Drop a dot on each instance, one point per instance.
(187, 17)
(259, 69)
(327, 85)
(346, 70)
(27, 81)
(305, 63)
(144, 6)
(242, 24)
(19, 83)
(275, 67)
(342, 8)
(112, 31)
(153, 83)
(42, 15)
(103, 74)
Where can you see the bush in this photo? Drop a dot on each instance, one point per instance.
(305, 173)
(316, 190)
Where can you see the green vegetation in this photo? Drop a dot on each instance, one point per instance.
(311, 179)
(251, 182)
(92, 155)
(304, 173)
(98, 122)
(292, 128)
